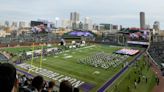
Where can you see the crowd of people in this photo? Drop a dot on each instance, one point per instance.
(140, 74)
(156, 51)
(28, 38)
(11, 81)
(104, 60)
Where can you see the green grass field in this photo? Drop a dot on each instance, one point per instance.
(70, 67)
(127, 79)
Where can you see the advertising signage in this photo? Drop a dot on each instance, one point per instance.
(140, 37)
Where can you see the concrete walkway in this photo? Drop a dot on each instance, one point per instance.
(160, 87)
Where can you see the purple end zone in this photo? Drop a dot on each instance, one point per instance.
(27, 74)
(87, 87)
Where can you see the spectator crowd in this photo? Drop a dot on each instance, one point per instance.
(11, 81)
(156, 51)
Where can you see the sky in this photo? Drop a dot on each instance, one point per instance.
(121, 12)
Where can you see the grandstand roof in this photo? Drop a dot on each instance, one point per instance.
(79, 33)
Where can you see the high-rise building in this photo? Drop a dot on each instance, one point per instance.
(96, 27)
(1, 24)
(156, 25)
(81, 26)
(22, 24)
(88, 23)
(6, 24)
(14, 24)
(74, 18)
(142, 20)
(115, 27)
(106, 26)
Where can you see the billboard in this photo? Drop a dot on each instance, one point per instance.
(138, 36)
(40, 27)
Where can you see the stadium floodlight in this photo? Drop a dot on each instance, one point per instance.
(57, 18)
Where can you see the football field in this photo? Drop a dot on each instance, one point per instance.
(67, 63)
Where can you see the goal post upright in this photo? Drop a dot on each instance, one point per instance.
(41, 57)
(32, 58)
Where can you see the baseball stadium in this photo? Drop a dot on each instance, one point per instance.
(92, 62)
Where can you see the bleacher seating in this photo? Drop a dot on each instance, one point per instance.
(156, 51)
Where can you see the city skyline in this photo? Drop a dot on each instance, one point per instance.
(105, 11)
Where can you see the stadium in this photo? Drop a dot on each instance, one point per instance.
(120, 62)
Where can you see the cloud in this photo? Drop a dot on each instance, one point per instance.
(125, 12)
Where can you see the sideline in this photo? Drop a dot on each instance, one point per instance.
(118, 75)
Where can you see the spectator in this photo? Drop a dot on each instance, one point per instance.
(146, 79)
(8, 81)
(24, 87)
(157, 80)
(65, 86)
(76, 90)
(37, 84)
(51, 85)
